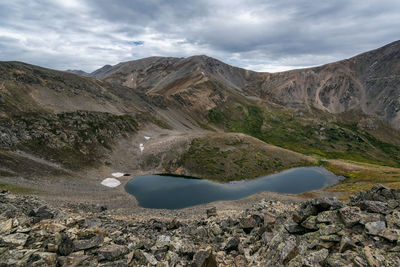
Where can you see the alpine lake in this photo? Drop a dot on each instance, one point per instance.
(175, 192)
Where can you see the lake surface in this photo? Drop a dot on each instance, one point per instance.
(171, 192)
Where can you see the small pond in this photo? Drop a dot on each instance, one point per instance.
(172, 192)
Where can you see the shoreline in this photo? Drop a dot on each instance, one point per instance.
(86, 190)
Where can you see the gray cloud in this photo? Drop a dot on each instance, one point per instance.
(257, 34)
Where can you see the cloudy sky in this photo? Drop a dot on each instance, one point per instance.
(262, 35)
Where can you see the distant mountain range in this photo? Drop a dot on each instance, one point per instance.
(369, 82)
(348, 109)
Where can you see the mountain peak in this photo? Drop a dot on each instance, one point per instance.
(79, 72)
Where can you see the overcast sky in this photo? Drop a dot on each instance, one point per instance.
(261, 35)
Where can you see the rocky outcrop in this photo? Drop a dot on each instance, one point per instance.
(65, 137)
(318, 232)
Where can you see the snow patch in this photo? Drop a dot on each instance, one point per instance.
(141, 147)
(202, 73)
(147, 137)
(117, 174)
(110, 182)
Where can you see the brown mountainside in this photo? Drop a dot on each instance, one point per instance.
(369, 82)
(338, 110)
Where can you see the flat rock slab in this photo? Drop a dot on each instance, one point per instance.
(17, 239)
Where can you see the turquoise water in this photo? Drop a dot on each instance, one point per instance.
(172, 192)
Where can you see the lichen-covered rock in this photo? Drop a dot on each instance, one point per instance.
(390, 234)
(95, 241)
(350, 215)
(374, 228)
(315, 258)
(6, 226)
(294, 228)
(393, 220)
(374, 206)
(17, 239)
(305, 210)
(111, 252)
(329, 216)
(310, 223)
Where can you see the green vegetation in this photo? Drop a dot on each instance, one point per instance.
(215, 116)
(331, 140)
(15, 189)
(160, 123)
(233, 157)
(6, 173)
(361, 176)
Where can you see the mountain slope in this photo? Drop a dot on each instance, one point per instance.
(348, 109)
(62, 118)
(70, 123)
(28, 88)
(79, 72)
(369, 82)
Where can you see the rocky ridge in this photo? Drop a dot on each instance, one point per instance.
(71, 138)
(368, 82)
(317, 232)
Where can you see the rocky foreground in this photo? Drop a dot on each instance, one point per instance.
(318, 232)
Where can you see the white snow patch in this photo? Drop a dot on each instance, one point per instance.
(141, 147)
(147, 137)
(110, 182)
(202, 73)
(117, 174)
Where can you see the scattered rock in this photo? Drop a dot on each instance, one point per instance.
(111, 252)
(315, 258)
(232, 244)
(248, 224)
(374, 228)
(329, 216)
(211, 212)
(66, 246)
(269, 220)
(305, 210)
(95, 241)
(72, 261)
(373, 206)
(17, 239)
(241, 261)
(204, 258)
(294, 228)
(345, 244)
(310, 223)
(350, 215)
(390, 234)
(41, 213)
(6, 226)
(174, 224)
(320, 232)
